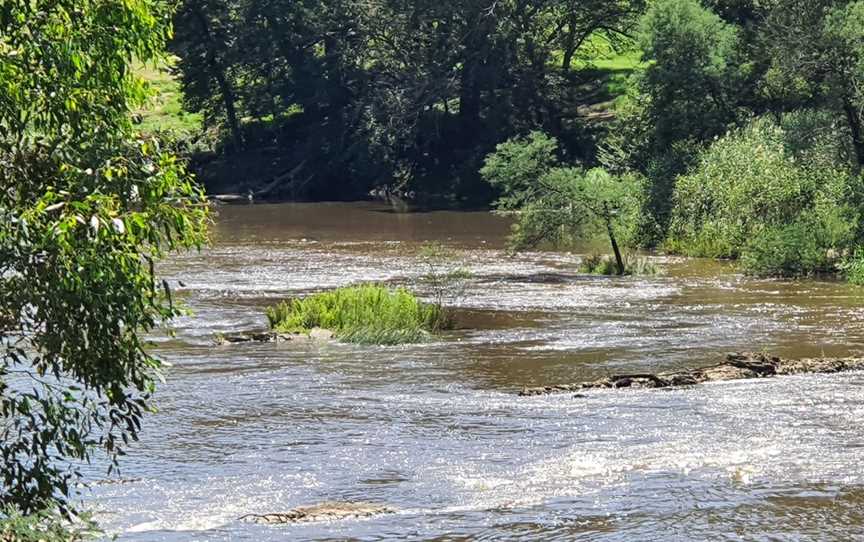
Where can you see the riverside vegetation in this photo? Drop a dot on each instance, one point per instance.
(632, 120)
(375, 314)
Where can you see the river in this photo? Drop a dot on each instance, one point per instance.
(437, 431)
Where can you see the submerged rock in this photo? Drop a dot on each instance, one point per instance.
(116, 481)
(738, 366)
(316, 334)
(327, 511)
(236, 338)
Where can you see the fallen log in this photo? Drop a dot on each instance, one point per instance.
(278, 180)
(738, 366)
(231, 198)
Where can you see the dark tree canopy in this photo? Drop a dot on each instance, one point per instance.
(337, 98)
(411, 94)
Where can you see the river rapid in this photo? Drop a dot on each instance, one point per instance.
(437, 431)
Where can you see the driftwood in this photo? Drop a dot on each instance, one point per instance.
(737, 366)
(278, 180)
(231, 198)
(266, 190)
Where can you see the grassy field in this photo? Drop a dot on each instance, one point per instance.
(164, 111)
(616, 68)
(612, 62)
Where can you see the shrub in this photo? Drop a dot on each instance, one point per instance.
(597, 264)
(444, 277)
(368, 314)
(853, 268)
(640, 266)
(817, 137)
(789, 250)
(753, 197)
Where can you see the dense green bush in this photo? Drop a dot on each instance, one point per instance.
(795, 249)
(853, 268)
(368, 314)
(755, 196)
(817, 137)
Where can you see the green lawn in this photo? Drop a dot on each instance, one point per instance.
(617, 68)
(612, 62)
(164, 110)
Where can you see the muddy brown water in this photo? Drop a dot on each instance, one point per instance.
(435, 430)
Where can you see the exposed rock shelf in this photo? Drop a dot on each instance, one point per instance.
(327, 511)
(316, 334)
(738, 366)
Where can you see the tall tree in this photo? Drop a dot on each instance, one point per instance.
(816, 55)
(86, 208)
(559, 204)
(692, 77)
(206, 34)
(405, 92)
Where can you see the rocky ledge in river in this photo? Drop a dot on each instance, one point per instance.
(316, 334)
(738, 366)
(327, 511)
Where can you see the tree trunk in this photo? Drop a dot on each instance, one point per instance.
(619, 261)
(569, 45)
(857, 132)
(230, 107)
(471, 80)
(573, 42)
(469, 96)
(218, 72)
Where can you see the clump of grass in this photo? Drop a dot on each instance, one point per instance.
(641, 267)
(367, 314)
(597, 264)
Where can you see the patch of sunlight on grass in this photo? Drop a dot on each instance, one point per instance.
(164, 109)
